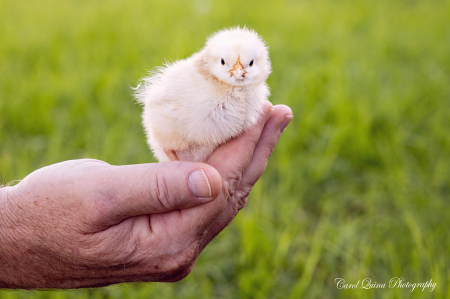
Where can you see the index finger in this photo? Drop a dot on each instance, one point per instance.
(266, 143)
(230, 160)
(233, 157)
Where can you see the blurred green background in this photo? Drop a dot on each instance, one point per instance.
(358, 186)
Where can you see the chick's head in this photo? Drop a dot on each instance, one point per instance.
(237, 56)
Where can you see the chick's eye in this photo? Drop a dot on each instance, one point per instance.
(251, 63)
(222, 61)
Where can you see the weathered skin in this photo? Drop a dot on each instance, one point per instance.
(85, 223)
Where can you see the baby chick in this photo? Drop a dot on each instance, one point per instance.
(194, 105)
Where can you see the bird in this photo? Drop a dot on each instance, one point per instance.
(193, 105)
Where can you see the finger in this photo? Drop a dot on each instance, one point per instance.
(131, 190)
(273, 129)
(232, 158)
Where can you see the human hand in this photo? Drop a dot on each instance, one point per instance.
(85, 223)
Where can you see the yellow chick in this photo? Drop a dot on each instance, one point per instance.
(193, 105)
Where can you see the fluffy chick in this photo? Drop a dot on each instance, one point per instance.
(193, 105)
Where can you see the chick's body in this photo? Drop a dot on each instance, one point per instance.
(193, 105)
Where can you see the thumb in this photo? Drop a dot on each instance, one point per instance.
(142, 189)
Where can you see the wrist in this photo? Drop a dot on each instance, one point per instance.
(5, 214)
(7, 231)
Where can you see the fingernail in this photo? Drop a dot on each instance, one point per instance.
(199, 184)
(286, 121)
(269, 114)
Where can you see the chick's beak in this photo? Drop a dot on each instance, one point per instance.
(238, 70)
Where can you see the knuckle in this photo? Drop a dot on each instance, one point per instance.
(180, 265)
(184, 258)
(161, 192)
(181, 274)
(232, 182)
(241, 197)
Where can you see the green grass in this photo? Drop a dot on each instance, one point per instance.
(359, 183)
